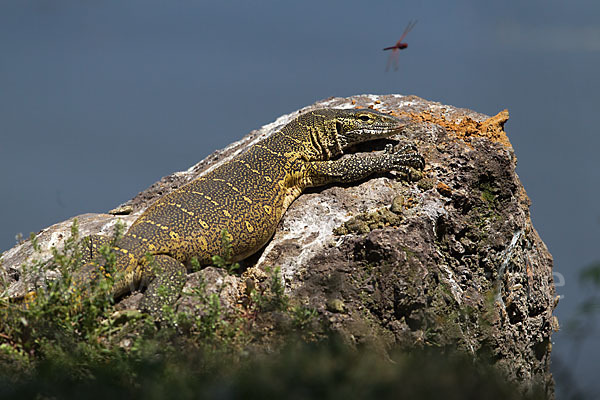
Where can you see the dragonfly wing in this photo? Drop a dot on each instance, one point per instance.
(396, 59)
(411, 24)
(392, 60)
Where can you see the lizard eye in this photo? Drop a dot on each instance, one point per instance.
(364, 118)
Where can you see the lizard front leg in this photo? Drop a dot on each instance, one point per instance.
(355, 167)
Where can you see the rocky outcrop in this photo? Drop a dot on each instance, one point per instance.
(446, 257)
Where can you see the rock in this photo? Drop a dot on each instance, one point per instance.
(397, 204)
(448, 257)
(335, 306)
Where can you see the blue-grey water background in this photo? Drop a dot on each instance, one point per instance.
(98, 100)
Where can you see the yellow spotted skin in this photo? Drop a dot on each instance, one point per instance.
(248, 195)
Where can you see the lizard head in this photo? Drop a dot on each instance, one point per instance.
(331, 131)
(360, 125)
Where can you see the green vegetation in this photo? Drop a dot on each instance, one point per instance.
(273, 299)
(488, 192)
(76, 332)
(71, 343)
(325, 370)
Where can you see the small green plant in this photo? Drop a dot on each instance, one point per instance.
(209, 323)
(195, 264)
(303, 316)
(273, 297)
(225, 260)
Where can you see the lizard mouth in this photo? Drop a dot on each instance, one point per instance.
(378, 131)
(368, 133)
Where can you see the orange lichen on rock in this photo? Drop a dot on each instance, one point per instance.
(467, 128)
(493, 128)
(444, 189)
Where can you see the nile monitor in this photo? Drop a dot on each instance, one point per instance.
(246, 197)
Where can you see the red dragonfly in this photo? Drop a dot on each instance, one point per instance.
(395, 55)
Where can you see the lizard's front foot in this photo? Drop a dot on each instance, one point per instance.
(407, 156)
(403, 159)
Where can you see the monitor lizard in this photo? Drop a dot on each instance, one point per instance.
(245, 197)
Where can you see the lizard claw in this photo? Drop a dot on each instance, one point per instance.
(419, 161)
